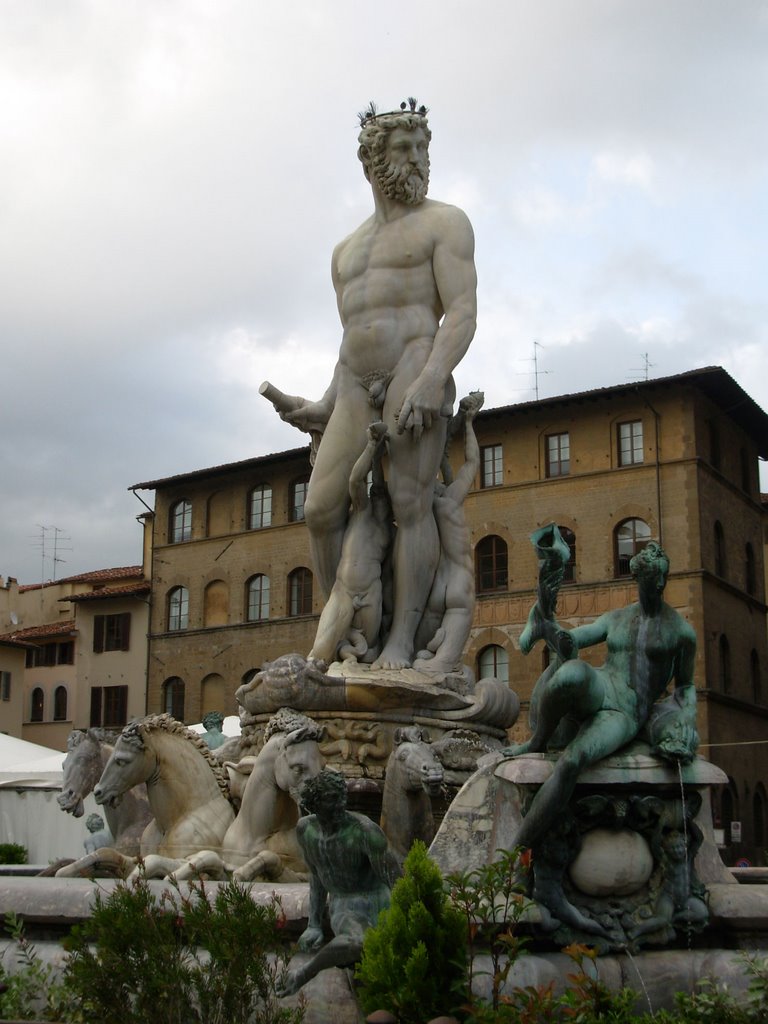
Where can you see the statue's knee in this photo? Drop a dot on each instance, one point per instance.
(320, 516)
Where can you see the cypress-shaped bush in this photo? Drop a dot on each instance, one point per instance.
(414, 960)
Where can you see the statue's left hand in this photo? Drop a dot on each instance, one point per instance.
(311, 938)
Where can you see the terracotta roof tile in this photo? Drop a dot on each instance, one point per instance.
(104, 593)
(95, 576)
(42, 632)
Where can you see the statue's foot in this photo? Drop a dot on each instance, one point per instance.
(517, 749)
(392, 657)
(433, 666)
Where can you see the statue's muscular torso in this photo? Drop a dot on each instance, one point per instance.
(385, 285)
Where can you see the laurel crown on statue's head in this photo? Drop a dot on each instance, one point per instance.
(409, 106)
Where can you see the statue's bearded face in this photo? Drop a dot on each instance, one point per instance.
(394, 149)
(403, 175)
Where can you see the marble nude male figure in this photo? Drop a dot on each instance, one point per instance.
(406, 292)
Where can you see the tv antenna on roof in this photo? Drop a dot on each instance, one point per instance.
(646, 367)
(536, 370)
(45, 544)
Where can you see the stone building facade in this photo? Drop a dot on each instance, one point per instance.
(674, 460)
(85, 652)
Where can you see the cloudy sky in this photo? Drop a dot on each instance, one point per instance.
(175, 173)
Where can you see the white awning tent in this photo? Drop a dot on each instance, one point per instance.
(30, 782)
(22, 760)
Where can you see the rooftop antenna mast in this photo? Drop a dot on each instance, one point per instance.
(56, 548)
(647, 365)
(44, 543)
(536, 370)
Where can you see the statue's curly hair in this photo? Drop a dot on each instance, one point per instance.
(327, 784)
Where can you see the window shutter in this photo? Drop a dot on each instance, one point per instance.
(95, 706)
(125, 631)
(98, 634)
(123, 703)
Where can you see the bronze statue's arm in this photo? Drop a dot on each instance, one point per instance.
(672, 723)
(381, 858)
(593, 633)
(453, 267)
(312, 936)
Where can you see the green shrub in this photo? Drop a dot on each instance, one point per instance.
(13, 853)
(177, 959)
(492, 901)
(414, 960)
(30, 991)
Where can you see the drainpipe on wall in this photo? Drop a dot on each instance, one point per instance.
(656, 419)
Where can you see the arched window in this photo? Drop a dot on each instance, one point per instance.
(758, 816)
(298, 497)
(60, 704)
(180, 522)
(720, 564)
(491, 565)
(260, 507)
(570, 566)
(300, 592)
(37, 705)
(257, 598)
(493, 662)
(178, 609)
(725, 664)
(629, 537)
(754, 677)
(750, 577)
(173, 697)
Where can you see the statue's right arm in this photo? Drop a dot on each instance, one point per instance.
(314, 416)
(312, 936)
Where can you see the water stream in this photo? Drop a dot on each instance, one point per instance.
(641, 980)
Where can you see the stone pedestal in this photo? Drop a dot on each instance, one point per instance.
(629, 861)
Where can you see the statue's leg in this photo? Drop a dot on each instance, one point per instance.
(598, 737)
(341, 951)
(571, 688)
(413, 467)
(327, 506)
(334, 624)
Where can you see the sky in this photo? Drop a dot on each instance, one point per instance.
(175, 174)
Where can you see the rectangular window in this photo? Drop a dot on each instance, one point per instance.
(5, 685)
(631, 443)
(47, 658)
(260, 507)
(558, 454)
(66, 653)
(109, 706)
(111, 632)
(298, 497)
(491, 468)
